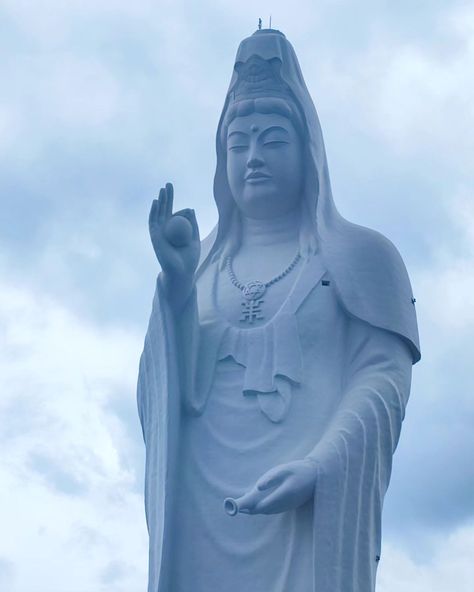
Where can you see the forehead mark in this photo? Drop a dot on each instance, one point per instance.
(254, 128)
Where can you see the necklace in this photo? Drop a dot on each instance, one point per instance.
(254, 290)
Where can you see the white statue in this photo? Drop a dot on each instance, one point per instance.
(277, 363)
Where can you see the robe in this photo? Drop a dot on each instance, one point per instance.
(327, 378)
(221, 404)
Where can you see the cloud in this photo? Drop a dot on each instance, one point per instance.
(116, 572)
(451, 279)
(7, 573)
(103, 102)
(71, 471)
(433, 485)
(449, 568)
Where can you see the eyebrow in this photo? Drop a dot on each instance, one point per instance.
(237, 133)
(274, 128)
(265, 131)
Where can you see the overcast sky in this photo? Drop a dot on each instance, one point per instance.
(101, 103)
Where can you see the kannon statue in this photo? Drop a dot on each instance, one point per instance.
(277, 362)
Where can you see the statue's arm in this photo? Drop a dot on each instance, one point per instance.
(168, 362)
(167, 365)
(186, 327)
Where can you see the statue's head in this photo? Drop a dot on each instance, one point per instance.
(263, 138)
(264, 151)
(270, 153)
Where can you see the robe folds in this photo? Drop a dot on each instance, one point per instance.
(220, 405)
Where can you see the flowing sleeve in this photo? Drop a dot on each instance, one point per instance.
(354, 459)
(164, 379)
(171, 347)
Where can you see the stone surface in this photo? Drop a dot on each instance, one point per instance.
(270, 423)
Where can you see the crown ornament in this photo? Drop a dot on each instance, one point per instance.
(258, 77)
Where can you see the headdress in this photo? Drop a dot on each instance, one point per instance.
(258, 77)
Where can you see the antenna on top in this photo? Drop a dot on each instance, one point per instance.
(270, 22)
(259, 24)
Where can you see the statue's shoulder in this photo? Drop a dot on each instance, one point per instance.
(372, 280)
(369, 249)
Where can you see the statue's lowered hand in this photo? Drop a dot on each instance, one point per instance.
(176, 242)
(280, 489)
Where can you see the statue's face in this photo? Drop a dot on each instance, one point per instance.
(264, 164)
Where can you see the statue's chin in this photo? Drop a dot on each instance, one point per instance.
(263, 202)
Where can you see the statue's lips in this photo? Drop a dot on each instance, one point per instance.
(257, 177)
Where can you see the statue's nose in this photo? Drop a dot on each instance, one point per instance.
(254, 161)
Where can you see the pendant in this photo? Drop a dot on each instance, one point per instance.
(251, 306)
(254, 290)
(251, 311)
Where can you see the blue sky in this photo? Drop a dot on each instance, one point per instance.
(103, 102)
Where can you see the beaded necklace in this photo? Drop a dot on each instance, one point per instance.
(254, 290)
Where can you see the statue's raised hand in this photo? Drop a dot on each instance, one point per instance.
(280, 489)
(175, 239)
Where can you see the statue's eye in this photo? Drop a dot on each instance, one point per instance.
(238, 148)
(275, 143)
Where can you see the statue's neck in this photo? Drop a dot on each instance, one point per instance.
(271, 231)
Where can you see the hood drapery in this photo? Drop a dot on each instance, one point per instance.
(368, 272)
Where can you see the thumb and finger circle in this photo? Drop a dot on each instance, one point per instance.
(256, 498)
(162, 210)
(190, 216)
(247, 502)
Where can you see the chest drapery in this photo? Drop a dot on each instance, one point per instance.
(270, 354)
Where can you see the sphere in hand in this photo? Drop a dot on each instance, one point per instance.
(179, 231)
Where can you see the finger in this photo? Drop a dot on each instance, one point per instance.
(164, 206)
(184, 213)
(247, 502)
(272, 478)
(161, 205)
(153, 213)
(169, 200)
(275, 502)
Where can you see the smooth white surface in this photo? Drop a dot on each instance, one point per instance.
(296, 417)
